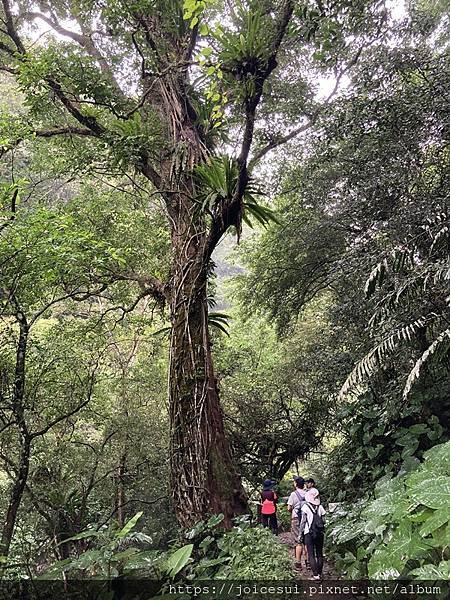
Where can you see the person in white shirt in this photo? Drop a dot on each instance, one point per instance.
(294, 503)
(311, 530)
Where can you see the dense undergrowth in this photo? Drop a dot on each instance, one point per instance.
(204, 552)
(402, 530)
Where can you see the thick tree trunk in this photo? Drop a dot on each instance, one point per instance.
(203, 478)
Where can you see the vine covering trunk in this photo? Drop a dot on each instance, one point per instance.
(204, 480)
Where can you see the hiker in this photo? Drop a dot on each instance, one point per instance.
(294, 504)
(269, 506)
(311, 530)
(310, 483)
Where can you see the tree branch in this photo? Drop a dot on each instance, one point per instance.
(126, 309)
(76, 37)
(47, 133)
(11, 28)
(13, 210)
(313, 118)
(6, 49)
(7, 69)
(88, 121)
(66, 416)
(150, 286)
(76, 295)
(230, 212)
(85, 41)
(279, 141)
(295, 132)
(59, 419)
(150, 173)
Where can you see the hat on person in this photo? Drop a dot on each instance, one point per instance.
(312, 496)
(300, 482)
(268, 483)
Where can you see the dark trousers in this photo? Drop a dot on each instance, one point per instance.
(270, 521)
(315, 552)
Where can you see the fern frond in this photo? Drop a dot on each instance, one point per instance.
(439, 347)
(262, 214)
(442, 273)
(441, 239)
(220, 321)
(217, 183)
(377, 356)
(397, 261)
(376, 278)
(215, 319)
(411, 288)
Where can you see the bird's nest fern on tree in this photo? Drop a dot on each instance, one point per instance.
(217, 182)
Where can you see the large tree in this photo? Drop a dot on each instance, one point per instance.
(158, 89)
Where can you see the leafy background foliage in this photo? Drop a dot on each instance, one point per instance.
(331, 342)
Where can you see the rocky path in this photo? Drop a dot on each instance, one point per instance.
(328, 571)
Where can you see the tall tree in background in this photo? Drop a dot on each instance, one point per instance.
(156, 88)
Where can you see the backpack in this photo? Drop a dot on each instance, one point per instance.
(268, 507)
(301, 498)
(301, 502)
(317, 526)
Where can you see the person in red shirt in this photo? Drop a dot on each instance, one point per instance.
(269, 501)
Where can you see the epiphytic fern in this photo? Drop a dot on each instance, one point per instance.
(217, 181)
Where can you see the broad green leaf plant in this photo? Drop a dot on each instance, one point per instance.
(404, 532)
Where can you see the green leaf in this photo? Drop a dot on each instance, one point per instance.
(215, 520)
(199, 528)
(125, 555)
(87, 560)
(435, 493)
(214, 562)
(219, 321)
(81, 536)
(148, 559)
(55, 569)
(436, 520)
(179, 559)
(434, 572)
(439, 457)
(392, 555)
(129, 526)
(372, 452)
